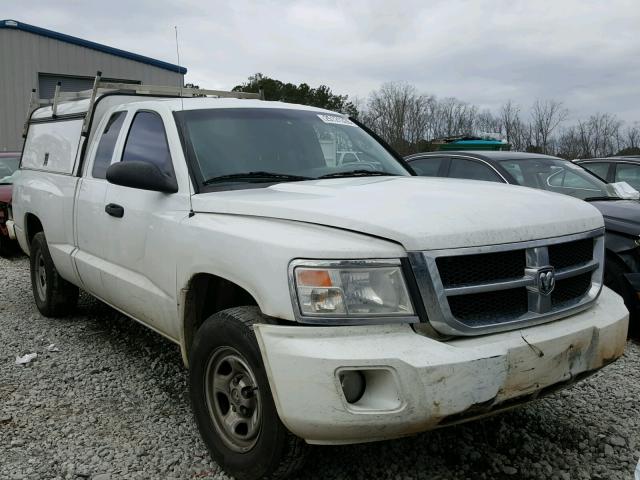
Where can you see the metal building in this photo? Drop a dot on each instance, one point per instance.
(34, 57)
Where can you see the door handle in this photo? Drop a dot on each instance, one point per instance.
(114, 210)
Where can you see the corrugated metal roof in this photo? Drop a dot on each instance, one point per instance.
(92, 45)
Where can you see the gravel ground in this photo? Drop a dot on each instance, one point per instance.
(113, 403)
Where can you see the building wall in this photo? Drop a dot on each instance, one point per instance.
(23, 55)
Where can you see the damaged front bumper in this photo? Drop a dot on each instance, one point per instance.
(415, 383)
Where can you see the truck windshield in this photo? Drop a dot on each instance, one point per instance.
(8, 166)
(249, 145)
(559, 176)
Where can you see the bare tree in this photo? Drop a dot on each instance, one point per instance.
(399, 114)
(406, 119)
(510, 116)
(488, 123)
(598, 135)
(546, 115)
(455, 117)
(568, 144)
(632, 136)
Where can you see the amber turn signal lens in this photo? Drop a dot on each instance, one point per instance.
(314, 278)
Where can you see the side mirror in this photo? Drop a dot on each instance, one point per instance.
(142, 175)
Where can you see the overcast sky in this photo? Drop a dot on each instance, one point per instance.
(585, 53)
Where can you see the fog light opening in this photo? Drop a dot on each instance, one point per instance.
(353, 385)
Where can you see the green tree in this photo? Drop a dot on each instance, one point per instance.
(303, 94)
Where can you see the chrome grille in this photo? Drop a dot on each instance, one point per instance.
(568, 254)
(571, 289)
(478, 290)
(481, 268)
(479, 308)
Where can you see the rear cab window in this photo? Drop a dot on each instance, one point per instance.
(106, 145)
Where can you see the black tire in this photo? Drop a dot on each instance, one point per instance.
(54, 296)
(275, 453)
(614, 279)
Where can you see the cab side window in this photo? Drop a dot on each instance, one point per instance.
(428, 166)
(107, 143)
(463, 168)
(147, 142)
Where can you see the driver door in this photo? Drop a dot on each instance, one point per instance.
(142, 228)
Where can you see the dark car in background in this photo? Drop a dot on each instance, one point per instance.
(622, 217)
(614, 169)
(9, 162)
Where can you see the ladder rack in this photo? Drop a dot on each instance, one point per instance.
(100, 88)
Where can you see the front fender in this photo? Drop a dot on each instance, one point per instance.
(255, 252)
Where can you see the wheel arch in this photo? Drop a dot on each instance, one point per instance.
(204, 295)
(32, 225)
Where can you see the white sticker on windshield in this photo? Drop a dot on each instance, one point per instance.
(336, 119)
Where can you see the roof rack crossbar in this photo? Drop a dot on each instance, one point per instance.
(34, 103)
(175, 90)
(100, 87)
(54, 107)
(94, 91)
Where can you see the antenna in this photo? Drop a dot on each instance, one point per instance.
(191, 212)
(180, 82)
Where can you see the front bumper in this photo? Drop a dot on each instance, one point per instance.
(415, 383)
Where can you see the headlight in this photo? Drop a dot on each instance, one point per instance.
(346, 289)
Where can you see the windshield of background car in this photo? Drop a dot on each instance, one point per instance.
(8, 166)
(283, 141)
(559, 176)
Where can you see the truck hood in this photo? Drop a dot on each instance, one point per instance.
(420, 213)
(620, 215)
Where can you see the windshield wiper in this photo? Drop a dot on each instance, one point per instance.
(356, 173)
(598, 199)
(256, 176)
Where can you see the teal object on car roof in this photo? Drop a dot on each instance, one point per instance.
(478, 142)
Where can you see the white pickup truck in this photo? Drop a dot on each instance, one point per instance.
(313, 302)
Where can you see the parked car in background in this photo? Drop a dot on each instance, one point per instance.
(544, 172)
(614, 169)
(9, 162)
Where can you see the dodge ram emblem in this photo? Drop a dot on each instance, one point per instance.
(546, 280)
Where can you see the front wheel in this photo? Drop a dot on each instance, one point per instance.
(232, 401)
(54, 296)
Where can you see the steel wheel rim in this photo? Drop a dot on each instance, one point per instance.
(232, 399)
(41, 276)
